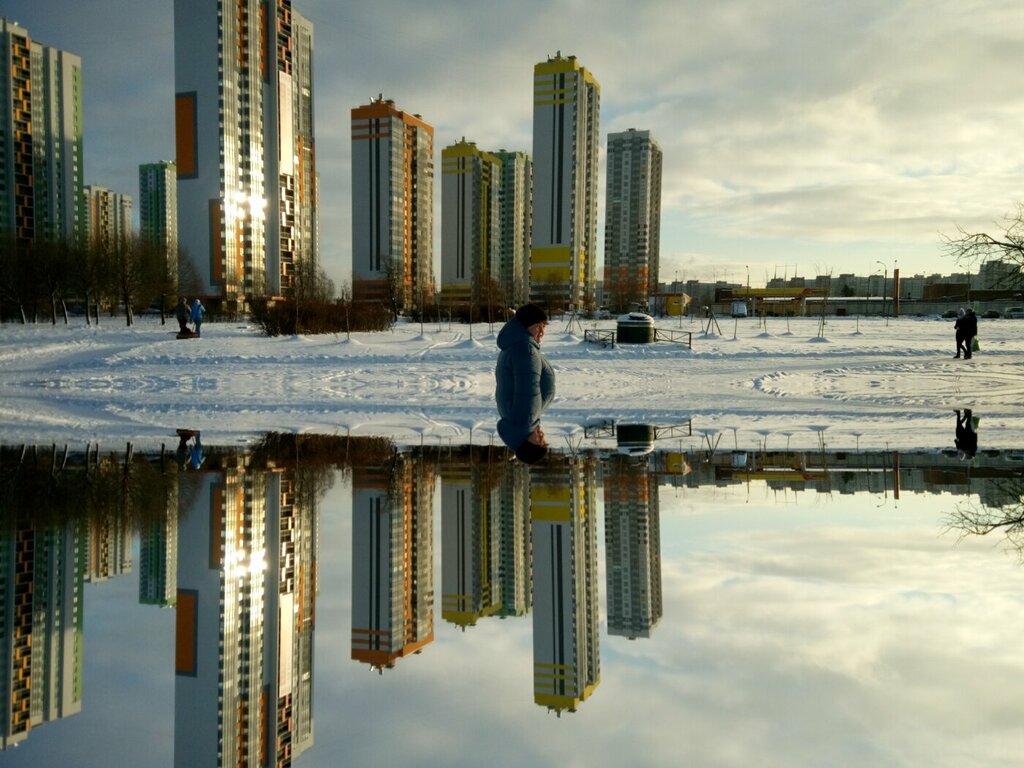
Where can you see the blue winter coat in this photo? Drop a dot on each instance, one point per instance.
(524, 383)
(198, 310)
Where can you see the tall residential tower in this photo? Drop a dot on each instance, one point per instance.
(470, 224)
(632, 219)
(245, 146)
(392, 205)
(41, 162)
(566, 107)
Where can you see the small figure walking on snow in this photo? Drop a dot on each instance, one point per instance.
(198, 310)
(182, 314)
(966, 327)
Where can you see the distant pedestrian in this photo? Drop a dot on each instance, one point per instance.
(198, 310)
(182, 314)
(966, 327)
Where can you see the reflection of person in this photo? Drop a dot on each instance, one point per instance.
(198, 310)
(966, 436)
(524, 383)
(182, 314)
(196, 452)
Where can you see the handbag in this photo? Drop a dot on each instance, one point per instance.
(975, 346)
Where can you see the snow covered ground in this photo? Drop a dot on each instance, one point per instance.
(862, 383)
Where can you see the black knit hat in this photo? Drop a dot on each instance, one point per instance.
(529, 314)
(530, 453)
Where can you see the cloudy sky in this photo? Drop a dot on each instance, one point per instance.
(799, 137)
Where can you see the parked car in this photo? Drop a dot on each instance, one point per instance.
(991, 314)
(949, 314)
(1014, 313)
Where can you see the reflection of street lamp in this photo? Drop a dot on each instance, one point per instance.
(885, 277)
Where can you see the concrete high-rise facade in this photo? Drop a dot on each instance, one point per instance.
(515, 201)
(632, 222)
(41, 159)
(245, 146)
(566, 111)
(158, 206)
(109, 217)
(392, 206)
(470, 225)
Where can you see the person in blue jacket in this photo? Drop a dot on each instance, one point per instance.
(198, 310)
(525, 383)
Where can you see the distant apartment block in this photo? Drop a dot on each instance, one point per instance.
(245, 146)
(515, 201)
(470, 225)
(632, 220)
(41, 161)
(563, 253)
(158, 207)
(392, 205)
(109, 217)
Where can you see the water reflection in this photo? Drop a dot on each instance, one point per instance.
(233, 546)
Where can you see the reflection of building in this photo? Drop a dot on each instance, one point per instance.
(632, 547)
(158, 558)
(392, 205)
(470, 224)
(41, 614)
(392, 559)
(513, 501)
(245, 607)
(566, 654)
(245, 146)
(632, 221)
(41, 187)
(109, 550)
(566, 105)
(470, 538)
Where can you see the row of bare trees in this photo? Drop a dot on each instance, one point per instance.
(45, 277)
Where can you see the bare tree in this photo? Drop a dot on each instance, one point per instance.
(978, 519)
(972, 249)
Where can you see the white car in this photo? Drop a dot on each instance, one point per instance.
(1014, 313)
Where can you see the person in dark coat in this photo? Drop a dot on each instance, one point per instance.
(970, 328)
(960, 328)
(524, 383)
(181, 314)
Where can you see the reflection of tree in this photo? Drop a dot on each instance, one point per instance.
(980, 519)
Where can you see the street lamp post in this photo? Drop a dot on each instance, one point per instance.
(885, 278)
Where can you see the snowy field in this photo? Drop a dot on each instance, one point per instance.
(862, 383)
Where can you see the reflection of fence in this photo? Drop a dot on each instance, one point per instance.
(606, 338)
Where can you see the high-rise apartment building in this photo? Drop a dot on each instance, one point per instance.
(41, 162)
(245, 146)
(566, 108)
(515, 201)
(158, 207)
(470, 225)
(392, 206)
(632, 219)
(109, 217)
